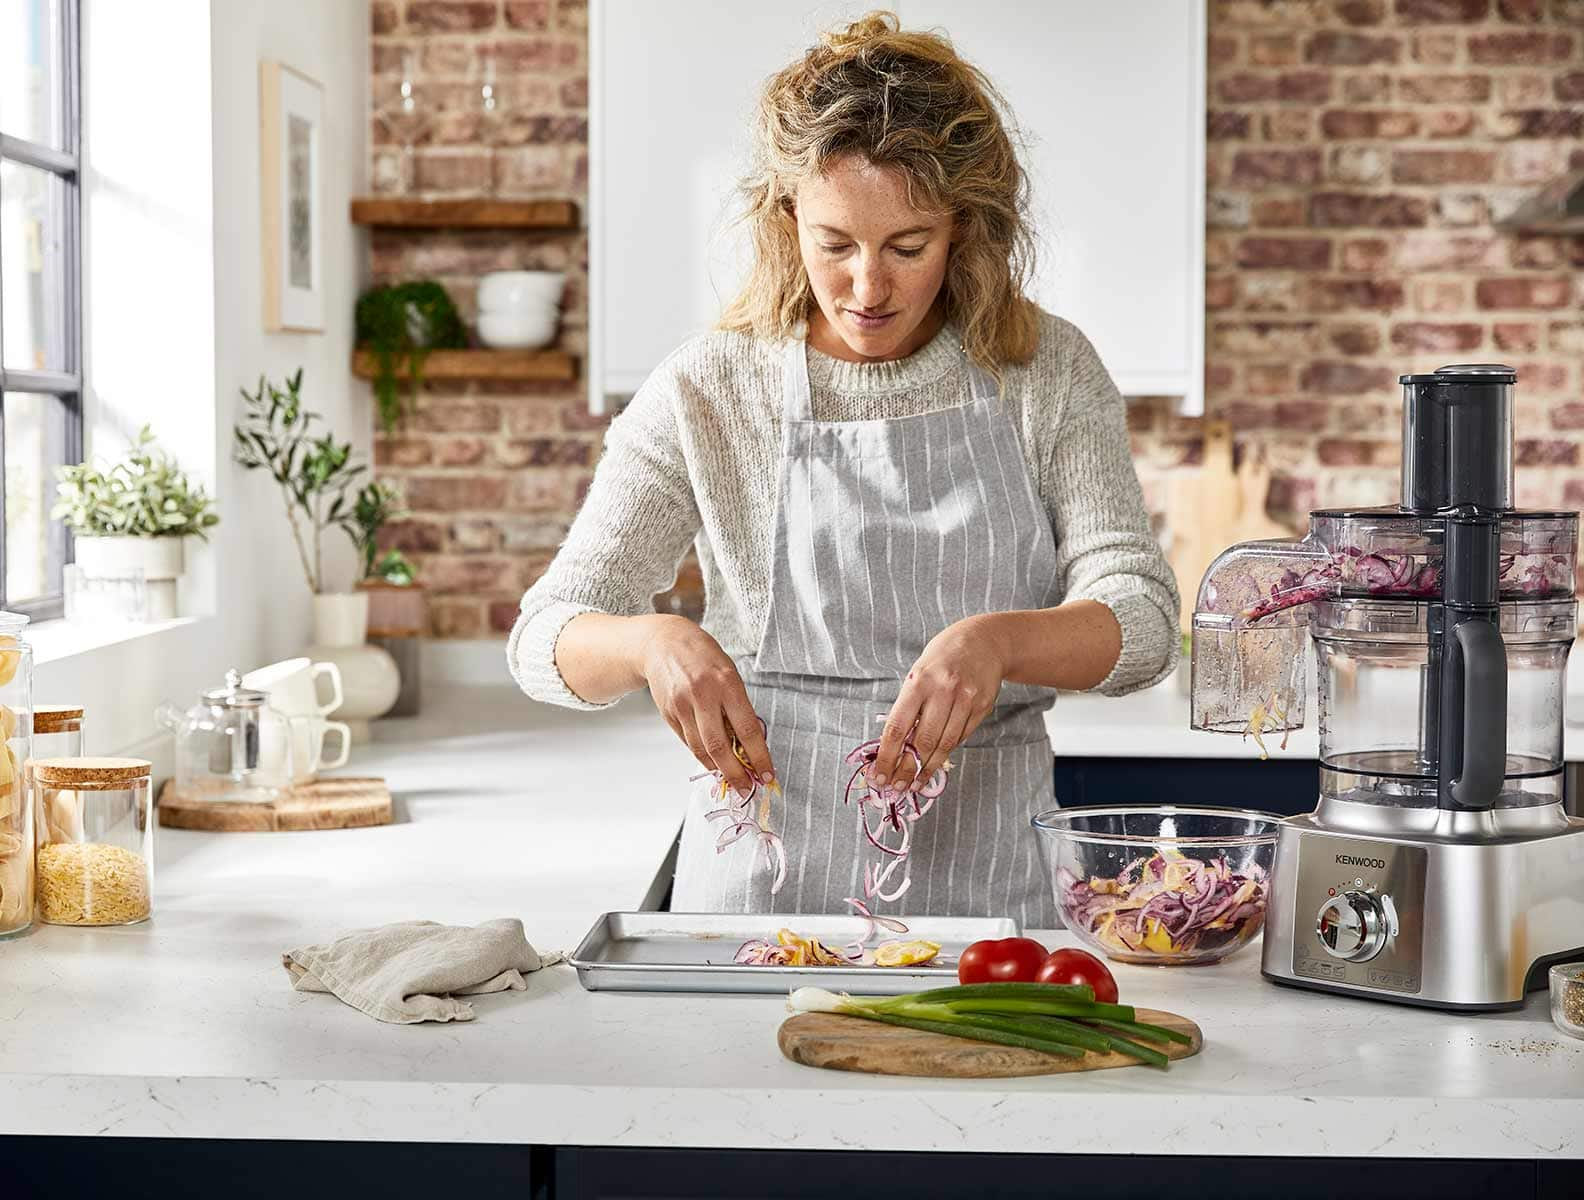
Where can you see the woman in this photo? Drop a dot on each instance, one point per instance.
(910, 491)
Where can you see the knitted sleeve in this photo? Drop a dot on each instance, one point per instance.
(1104, 548)
(625, 545)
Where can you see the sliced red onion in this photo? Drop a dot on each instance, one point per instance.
(890, 924)
(896, 807)
(738, 812)
(775, 859)
(733, 834)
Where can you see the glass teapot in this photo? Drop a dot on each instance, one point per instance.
(218, 742)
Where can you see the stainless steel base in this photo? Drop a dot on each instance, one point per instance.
(1437, 914)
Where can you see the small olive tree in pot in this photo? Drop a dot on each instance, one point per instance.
(323, 488)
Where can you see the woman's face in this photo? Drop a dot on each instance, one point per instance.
(875, 262)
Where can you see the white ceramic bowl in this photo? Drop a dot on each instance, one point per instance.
(515, 291)
(515, 331)
(532, 310)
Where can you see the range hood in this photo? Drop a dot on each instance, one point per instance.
(1556, 208)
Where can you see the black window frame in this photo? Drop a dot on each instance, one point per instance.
(66, 384)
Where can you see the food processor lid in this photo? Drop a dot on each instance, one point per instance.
(1466, 373)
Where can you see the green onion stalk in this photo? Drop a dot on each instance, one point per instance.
(1060, 1019)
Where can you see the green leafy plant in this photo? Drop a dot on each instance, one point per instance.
(400, 324)
(396, 569)
(378, 502)
(144, 495)
(315, 472)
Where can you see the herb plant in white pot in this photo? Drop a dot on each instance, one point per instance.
(134, 515)
(318, 482)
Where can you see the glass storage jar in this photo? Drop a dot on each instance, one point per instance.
(99, 870)
(57, 733)
(16, 814)
(57, 730)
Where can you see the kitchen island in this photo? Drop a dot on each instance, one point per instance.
(185, 1027)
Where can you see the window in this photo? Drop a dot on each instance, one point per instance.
(40, 293)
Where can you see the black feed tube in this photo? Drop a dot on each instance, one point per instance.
(1473, 717)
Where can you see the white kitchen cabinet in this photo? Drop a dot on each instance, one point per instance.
(1109, 100)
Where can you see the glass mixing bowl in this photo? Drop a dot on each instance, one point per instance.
(1160, 885)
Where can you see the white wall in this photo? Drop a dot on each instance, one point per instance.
(174, 312)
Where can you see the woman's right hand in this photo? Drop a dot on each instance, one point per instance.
(697, 689)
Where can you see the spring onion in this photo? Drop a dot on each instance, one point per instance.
(1052, 1018)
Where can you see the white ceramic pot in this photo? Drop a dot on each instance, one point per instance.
(160, 559)
(516, 331)
(370, 681)
(501, 291)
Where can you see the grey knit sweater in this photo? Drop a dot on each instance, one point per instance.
(695, 457)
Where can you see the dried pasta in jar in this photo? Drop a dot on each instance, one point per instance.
(95, 866)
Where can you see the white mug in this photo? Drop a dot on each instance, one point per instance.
(291, 749)
(293, 686)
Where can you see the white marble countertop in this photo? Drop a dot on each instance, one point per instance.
(185, 1026)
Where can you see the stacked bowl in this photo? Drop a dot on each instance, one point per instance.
(518, 310)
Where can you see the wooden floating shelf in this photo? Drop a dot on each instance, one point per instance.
(537, 366)
(545, 215)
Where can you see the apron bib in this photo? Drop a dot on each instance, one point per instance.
(886, 532)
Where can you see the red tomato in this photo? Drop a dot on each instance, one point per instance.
(1001, 960)
(1079, 966)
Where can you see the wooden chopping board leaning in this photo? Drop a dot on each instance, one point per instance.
(1213, 508)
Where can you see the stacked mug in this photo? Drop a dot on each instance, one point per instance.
(292, 740)
(519, 310)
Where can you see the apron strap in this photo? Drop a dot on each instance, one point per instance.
(982, 385)
(797, 399)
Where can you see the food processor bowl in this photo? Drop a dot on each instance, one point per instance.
(1377, 746)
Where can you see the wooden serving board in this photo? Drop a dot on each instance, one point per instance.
(1213, 508)
(344, 802)
(843, 1043)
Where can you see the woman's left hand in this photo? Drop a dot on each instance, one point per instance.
(950, 689)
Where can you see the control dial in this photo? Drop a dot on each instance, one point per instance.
(1352, 926)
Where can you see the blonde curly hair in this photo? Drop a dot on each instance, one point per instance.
(906, 101)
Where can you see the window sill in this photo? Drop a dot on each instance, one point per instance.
(53, 641)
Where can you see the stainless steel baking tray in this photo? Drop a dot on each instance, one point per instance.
(692, 952)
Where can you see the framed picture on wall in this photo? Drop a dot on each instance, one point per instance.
(291, 139)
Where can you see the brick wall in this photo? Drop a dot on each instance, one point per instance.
(1359, 151)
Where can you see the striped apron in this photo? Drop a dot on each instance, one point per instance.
(888, 531)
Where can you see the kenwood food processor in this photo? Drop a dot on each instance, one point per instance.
(1440, 867)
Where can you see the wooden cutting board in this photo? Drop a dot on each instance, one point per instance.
(1213, 508)
(344, 802)
(852, 1044)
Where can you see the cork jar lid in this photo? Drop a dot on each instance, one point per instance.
(91, 773)
(53, 718)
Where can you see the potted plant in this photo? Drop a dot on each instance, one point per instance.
(134, 514)
(396, 599)
(316, 476)
(400, 324)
